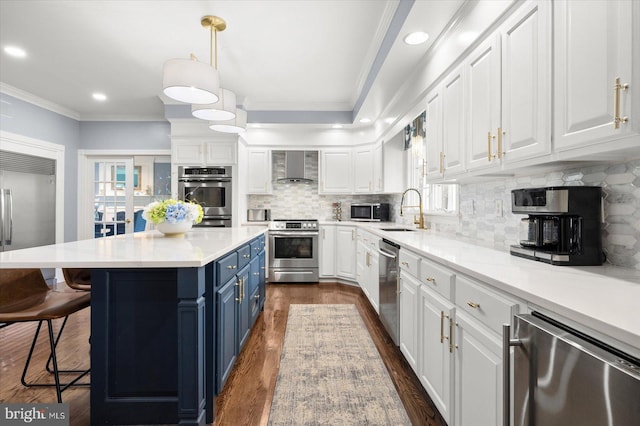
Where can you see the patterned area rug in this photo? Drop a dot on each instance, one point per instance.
(331, 372)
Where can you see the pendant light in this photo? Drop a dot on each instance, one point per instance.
(190, 81)
(235, 125)
(225, 107)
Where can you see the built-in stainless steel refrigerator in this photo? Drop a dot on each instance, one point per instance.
(27, 203)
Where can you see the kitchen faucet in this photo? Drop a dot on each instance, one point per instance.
(420, 221)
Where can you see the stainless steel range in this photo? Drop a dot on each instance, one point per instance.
(293, 251)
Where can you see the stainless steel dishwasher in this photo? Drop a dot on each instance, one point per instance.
(388, 287)
(564, 377)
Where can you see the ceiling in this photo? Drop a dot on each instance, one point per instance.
(282, 58)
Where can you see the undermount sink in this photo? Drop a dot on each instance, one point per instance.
(397, 229)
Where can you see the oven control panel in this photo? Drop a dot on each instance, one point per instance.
(295, 225)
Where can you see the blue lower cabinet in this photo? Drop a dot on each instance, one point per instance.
(226, 335)
(244, 314)
(262, 279)
(238, 304)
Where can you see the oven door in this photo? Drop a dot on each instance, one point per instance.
(213, 195)
(293, 249)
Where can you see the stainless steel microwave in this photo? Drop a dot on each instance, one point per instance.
(370, 212)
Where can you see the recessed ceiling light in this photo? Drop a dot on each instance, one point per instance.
(365, 120)
(15, 51)
(337, 126)
(99, 97)
(418, 37)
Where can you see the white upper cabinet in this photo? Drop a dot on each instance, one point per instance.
(482, 69)
(363, 169)
(526, 83)
(445, 130)
(197, 153)
(433, 133)
(509, 90)
(378, 178)
(336, 172)
(258, 169)
(594, 46)
(453, 124)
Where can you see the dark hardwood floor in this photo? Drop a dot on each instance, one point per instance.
(246, 397)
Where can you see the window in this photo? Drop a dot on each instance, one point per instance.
(437, 198)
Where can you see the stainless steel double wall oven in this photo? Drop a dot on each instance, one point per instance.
(211, 188)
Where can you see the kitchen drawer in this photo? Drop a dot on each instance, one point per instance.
(490, 308)
(226, 268)
(438, 278)
(410, 262)
(256, 247)
(244, 255)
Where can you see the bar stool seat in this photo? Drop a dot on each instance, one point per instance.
(77, 278)
(25, 296)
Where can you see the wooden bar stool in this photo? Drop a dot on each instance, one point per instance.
(25, 297)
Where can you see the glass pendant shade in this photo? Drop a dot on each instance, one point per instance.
(235, 125)
(224, 109)
(190, 81)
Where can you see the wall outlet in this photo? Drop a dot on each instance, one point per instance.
(498, 208)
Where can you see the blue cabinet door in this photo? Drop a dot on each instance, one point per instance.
(262, 278)
(254, 275)
(226, 334)
(244, 314)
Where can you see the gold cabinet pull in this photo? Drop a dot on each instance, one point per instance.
(452, 345)
(441, 162)
(405, 264)
(442, 336)
(617, 87)
(473, 305)
(489, 137)
(431, 280)
(501, 153)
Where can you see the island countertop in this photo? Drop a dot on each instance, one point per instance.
(149, 249)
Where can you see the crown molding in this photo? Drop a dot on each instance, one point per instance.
(38, 101)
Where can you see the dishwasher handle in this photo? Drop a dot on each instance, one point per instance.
(507, 343)
(387, 253)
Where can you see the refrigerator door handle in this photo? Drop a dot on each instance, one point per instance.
(10, 217)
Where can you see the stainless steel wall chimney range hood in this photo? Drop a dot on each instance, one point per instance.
(294, 168)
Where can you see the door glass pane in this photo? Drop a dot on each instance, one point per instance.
(151, 182)
(110, 198)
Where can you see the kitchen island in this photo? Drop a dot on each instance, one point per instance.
(152, 319)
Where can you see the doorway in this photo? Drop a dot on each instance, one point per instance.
(114, 189)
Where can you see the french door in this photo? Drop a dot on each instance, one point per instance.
(113, 182)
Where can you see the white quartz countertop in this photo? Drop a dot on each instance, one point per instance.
(149, 249)
(603, 298)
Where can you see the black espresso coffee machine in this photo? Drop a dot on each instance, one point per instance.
(563, 224)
